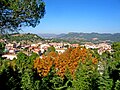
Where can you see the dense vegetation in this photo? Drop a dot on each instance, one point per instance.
(26, 38)
(15, 14)
(75, 69)
(2, 46)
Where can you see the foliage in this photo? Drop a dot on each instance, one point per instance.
(110, 78)
(69, 59)
(23, 38)
(17, 13)
(117, 85)
(9, 79)
(114, 67)
(105, 82)
(44, 65)
(50, 49)
(2, 47)
(86, 75)
(116, 46)
(75, 69)
(25, 67)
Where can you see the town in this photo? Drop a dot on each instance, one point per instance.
(59, 44)
(12, 48)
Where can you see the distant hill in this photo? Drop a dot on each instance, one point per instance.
(26, 38)
(47, 35)
(92, 37)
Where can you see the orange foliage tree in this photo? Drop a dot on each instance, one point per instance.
(67, 60)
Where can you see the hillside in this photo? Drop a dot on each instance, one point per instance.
(92, 37)
(24, 38)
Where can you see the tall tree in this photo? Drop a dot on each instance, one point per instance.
(2, 47)
(17, 13)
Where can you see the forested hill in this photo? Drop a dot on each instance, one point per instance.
(89, 36)
(23, 37)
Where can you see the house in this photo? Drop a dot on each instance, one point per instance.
(9, 45)
(90, 45)
(10, 56)
(44, 47)
(60, 50)
(56, 45)
(102, 47)
(74, 45)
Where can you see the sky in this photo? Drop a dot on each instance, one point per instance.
(64, 16)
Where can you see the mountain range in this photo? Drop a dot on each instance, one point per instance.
(93, 37)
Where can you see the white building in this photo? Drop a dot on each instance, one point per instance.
(9, 56)
(60, 50)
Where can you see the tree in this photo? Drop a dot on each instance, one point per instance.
(116, 46)
(105, 82)
(110, 79)
(67, 60)
(9, 78)
(2, 47)
(86, 75)
(24, 66)
(50, 49)
(17, 13)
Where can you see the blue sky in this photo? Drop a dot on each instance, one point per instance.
(63, 16)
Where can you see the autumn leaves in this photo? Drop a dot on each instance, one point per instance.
(61, 62)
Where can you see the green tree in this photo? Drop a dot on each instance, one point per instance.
(116, 46)
(104, 81)
(117, 85)
(114, 68)
(17, 13)
(110, 79)
(51, 49)
(9, 79)
(2, 47)
(86, 76)
(24, 64)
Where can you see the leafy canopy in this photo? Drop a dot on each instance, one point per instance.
(17, 13)
(2, 47)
